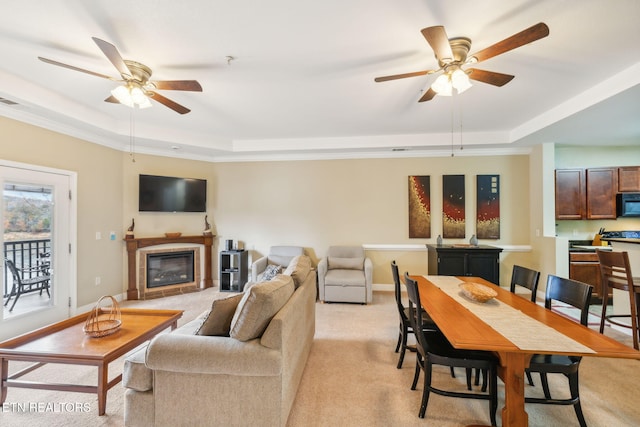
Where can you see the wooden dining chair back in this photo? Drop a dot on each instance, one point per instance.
(527, 278)
(615, 272)
(434, 349)
(577, 295)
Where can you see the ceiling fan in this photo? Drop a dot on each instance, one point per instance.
(136, 89)
(452, 55)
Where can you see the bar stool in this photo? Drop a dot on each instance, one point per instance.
(616, 274)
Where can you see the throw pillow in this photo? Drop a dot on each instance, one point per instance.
(298, 269)
(258, 306)
(336, 263)
(270, 272)
(218, 321)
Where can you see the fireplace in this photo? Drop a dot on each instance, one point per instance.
(164, 269)
(168, 271)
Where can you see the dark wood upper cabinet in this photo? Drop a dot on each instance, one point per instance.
(570, 194)
(628, 179)
(602, 186)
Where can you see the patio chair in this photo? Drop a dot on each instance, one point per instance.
(22, 285)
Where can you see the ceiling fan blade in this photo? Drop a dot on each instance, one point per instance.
(168, 103)
(190, 85)
(71, 67)
(112, 54)
(529, 35)
(428, 95)
(490, 77)
(437, 38)
(112, 99)
(403, 76)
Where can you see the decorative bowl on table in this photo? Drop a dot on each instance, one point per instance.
(477, 292)
(173, 235)
(103, 321)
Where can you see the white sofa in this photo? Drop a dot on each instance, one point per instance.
(184, 379)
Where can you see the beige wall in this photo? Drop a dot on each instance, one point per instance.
(99, 198)
(320, 203)
(314, 204)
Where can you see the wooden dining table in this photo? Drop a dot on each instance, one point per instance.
(466, 330)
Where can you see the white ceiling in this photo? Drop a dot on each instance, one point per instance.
(301, 83)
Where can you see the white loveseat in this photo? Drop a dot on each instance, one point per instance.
(183, 379)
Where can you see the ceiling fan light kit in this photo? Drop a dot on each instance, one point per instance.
(131, 96)
(137, 88)
(452, 54)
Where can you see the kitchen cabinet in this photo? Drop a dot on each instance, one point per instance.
(570, 194)
(465, 260)
(629, 179)
(586, 193)
(602, 186)
(585, 267)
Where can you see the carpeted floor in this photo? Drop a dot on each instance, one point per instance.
(350, 380)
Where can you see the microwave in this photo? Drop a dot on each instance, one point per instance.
(628, 204)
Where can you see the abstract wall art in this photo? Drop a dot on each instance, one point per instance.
(488, 210)
(419, 206)
(453, 210)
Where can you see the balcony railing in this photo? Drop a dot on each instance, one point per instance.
(24, 254)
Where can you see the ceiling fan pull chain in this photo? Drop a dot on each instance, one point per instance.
(132, 138)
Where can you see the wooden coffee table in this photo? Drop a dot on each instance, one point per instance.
(66, 343)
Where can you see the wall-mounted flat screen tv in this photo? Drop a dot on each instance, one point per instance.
(169, 194)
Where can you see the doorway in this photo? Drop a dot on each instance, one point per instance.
(38, 229)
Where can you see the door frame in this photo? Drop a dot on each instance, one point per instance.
(73, 240)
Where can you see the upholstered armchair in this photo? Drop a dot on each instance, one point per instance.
(278, 256)
(345, 275)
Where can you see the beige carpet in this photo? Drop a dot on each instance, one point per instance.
(351, 380)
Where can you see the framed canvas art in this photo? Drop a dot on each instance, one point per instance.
(488, 208)
(419, 206)
(453, 209)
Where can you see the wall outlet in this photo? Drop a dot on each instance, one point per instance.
(98, 235)
(98, 280)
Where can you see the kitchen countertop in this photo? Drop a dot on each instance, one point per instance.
(622, 240)
(589, 248)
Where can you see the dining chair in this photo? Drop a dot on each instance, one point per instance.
(434, 349)
(615, 272)
(406, 319)
(575, 294)
(526, 278)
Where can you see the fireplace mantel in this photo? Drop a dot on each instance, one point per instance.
(137, 243)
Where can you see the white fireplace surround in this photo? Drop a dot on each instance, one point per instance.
(145, 292)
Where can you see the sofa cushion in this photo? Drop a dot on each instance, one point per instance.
(271, 271)
(337, 263)
(135, 374)
(259, 305)
(298, 269)
(218, 321)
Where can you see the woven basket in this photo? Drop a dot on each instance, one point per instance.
(103, 321)
(478, 292)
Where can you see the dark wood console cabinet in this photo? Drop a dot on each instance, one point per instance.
(463, 260)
